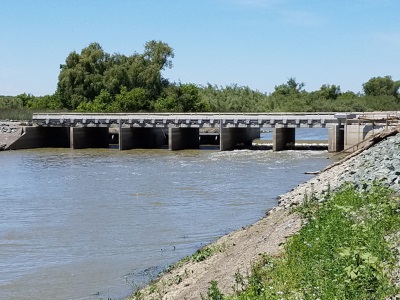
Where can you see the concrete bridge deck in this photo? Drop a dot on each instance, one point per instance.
(190, 120)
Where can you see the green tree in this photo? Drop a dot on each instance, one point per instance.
(85, 75)
(157, 57)
(329, 92)
(136, 99)
(48, 102)
(159, 54)
(101, 103)
(291, 87)
(233, 98)
(382, 86)
(25, 98)
(189, 98)
(166, 103)
(10, 102)
(81, 77)
(181, 98)
(117, 74)
(348, 95)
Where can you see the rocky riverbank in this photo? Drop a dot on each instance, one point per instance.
(9, 133)
(378, 163)
(235, 253)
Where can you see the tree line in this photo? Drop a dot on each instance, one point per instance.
(96, 81)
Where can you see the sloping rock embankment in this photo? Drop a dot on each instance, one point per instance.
(379, 160)
(9, 133)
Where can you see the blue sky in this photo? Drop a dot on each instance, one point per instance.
(255, 43)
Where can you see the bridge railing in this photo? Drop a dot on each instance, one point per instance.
(188, 120)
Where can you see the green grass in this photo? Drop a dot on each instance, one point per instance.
(20, 114)
(344, 251)
(206, 252)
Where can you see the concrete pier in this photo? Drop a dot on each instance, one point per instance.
(89, 137)
(231, 137)
(336, 138)
(283, 138)
(183, 138)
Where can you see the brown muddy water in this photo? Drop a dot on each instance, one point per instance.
(95, 224)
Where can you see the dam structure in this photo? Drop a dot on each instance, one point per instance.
(181, 131)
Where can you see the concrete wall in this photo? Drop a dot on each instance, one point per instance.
(41, 137)
(89, 137)
(183, 138)
(142, 138)
(335, 138)
(231, 138)
(283, 138)
(354, 134)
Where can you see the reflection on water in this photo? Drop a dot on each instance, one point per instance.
(90, 224)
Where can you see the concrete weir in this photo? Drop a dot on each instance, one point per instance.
(182, 131)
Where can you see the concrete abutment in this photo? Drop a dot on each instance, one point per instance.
(42, 137)
(354, 134)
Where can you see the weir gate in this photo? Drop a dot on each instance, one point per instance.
(178, 131)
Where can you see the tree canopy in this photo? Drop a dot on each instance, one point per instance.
(382, 86)
(96, 81)
(94, 73)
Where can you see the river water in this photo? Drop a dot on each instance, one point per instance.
(95, 224)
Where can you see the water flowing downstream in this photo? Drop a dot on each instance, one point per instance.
(91, 224)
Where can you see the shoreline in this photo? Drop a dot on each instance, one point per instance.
(237, 251)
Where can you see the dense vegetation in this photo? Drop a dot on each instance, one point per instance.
(96, 81)
(347, 250)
